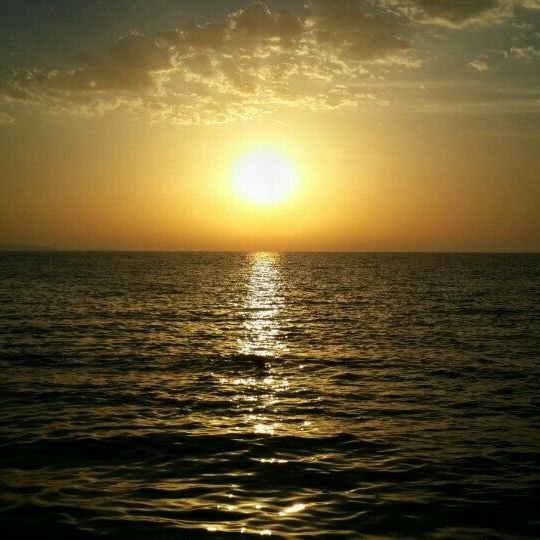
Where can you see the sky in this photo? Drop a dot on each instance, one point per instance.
(408, 125)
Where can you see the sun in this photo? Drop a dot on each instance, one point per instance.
(264, 177)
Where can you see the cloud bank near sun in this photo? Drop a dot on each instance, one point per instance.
(257, 60)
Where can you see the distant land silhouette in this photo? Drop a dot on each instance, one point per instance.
(21, 247)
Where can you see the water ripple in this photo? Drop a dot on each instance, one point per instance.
(282, 395)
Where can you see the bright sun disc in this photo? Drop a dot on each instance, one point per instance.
(264, 177)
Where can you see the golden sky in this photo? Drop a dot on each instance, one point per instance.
(407, 125)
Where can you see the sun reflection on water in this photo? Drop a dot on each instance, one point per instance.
(259, 384)
(261, 342)
(262, 306)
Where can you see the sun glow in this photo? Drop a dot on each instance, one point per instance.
(264, 177)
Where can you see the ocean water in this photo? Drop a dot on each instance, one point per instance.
(175, 395)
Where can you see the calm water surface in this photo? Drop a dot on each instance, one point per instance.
(292, 395)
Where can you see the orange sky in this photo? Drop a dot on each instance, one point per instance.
(423, 137)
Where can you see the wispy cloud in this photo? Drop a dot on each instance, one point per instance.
(523, 53)
(479, 64)
(455, 13)
(6, 119)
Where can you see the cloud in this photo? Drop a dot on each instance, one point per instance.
(454, 13)
(529, 4)
(135, 62)
(459, 13)
(6, 119)
(355, 32)
(139, 52)
(256, 23)
(523, 26)
(253, 61)
(523, 53)
(480, 64)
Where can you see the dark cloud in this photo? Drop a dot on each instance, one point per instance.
(206, 36)
(256, 22)
(139, 52)
(355, 30)
(254, 60)
(134, 63)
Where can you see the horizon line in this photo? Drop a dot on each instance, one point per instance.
(366, 252)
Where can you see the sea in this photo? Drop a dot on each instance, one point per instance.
(288, 395)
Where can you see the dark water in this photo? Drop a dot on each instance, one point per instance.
(297, 395)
